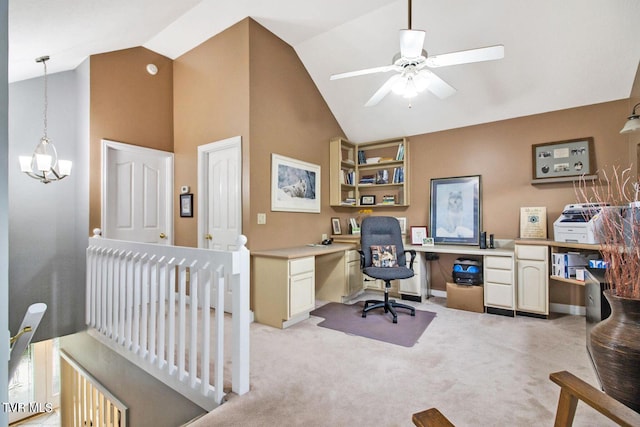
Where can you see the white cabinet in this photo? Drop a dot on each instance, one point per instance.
(415, 288)
(533, 279)
(499, 285)
(353, 273)
(301, 286)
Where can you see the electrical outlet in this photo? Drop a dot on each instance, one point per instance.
(262, 218)
(324, 236)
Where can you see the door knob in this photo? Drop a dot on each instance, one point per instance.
(162, 235)
(208, 236)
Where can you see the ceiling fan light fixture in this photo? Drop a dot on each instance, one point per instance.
(633, 121)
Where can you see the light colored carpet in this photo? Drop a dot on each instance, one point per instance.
(477, 369)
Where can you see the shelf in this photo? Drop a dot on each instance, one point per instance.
(564, 279)
(344, 167)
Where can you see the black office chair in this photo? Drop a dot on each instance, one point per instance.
(376, 233)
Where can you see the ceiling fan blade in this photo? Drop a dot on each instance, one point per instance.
(436, 85)
(466, 56)
(382, 69)
(411, 42)
(383, 91)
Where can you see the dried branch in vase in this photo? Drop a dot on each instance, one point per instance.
(619, 229)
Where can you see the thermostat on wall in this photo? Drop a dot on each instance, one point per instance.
(184, 189)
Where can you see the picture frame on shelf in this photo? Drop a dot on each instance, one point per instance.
(403, 224)
(295, 185)
(186, 205)
(335, 226)
(418, 234)
(368, 200)
(456, 210)
(570, 158)
(428, 241)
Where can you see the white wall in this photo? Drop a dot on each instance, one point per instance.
(4, 227)
(48, 222)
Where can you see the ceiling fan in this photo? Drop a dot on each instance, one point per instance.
(412, 63)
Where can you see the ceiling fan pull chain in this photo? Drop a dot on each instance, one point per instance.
(409, 9)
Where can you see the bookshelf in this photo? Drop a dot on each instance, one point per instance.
(371, 174)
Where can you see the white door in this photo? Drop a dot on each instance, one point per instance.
(137, 184)
(220, 197)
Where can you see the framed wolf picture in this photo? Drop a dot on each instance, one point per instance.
(295, 185)
(455, 210)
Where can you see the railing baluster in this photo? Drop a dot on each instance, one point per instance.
(205, 280)
(193, 325)
(154, 302)
(182, 330)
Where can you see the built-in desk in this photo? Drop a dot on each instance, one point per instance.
(285, 282)
(499, 271)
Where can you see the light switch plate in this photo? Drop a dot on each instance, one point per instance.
(262, 218)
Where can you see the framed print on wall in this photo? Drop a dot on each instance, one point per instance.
(455, 210)
(563, 159)
(418, 234)
(295, 185)
(186, 205)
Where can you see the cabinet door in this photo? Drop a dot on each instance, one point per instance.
(354, 277)
(532, 286)
(301, 293)
(411, 286)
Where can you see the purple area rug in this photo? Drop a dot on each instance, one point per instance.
(377, 325)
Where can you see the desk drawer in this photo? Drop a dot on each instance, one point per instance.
(498, 295)
(301, 265)
(536, 253)
(498, 276)
(353, 256)
(499, 262)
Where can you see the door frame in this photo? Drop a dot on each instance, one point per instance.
(107, 147)
(203, 153)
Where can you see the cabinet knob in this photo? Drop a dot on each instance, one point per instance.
(162, 235)
(208, 236)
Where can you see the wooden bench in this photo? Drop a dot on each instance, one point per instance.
(572, 389)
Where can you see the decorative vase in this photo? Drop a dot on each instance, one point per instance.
(615, 344)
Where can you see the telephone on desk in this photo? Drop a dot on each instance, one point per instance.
(327, 241)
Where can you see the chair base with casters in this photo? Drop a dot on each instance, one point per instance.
(389, 305)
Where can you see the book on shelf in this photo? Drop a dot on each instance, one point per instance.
(398, 175)
(347, 177)
(362, 157)
(400, 153)
(367, 179)
(388, 200)
(349, 201)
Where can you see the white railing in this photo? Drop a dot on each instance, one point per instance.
(84, 401)
(162, 307)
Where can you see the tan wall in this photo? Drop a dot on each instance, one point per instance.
(129, 105)
(288, 117)
(500, 153)
(211, 103)
(245, 81)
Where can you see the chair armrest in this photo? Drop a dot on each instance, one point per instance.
(361, 259)
(413, 257)
(573, 389)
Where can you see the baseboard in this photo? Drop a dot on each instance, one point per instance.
(437, 293)
(575, 310)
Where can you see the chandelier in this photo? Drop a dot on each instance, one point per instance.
(43, 164)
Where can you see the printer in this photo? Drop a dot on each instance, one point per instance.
(580, 222)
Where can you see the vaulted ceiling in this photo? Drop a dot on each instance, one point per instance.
(558, 54)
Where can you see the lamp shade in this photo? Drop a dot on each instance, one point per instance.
(632, 125)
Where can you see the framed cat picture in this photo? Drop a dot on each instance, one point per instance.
(455, 210)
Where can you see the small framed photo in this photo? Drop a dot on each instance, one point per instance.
(186, 205)
(403, 224)
(428, 241)
(335, 226)
(367, 200)
(418, 235)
